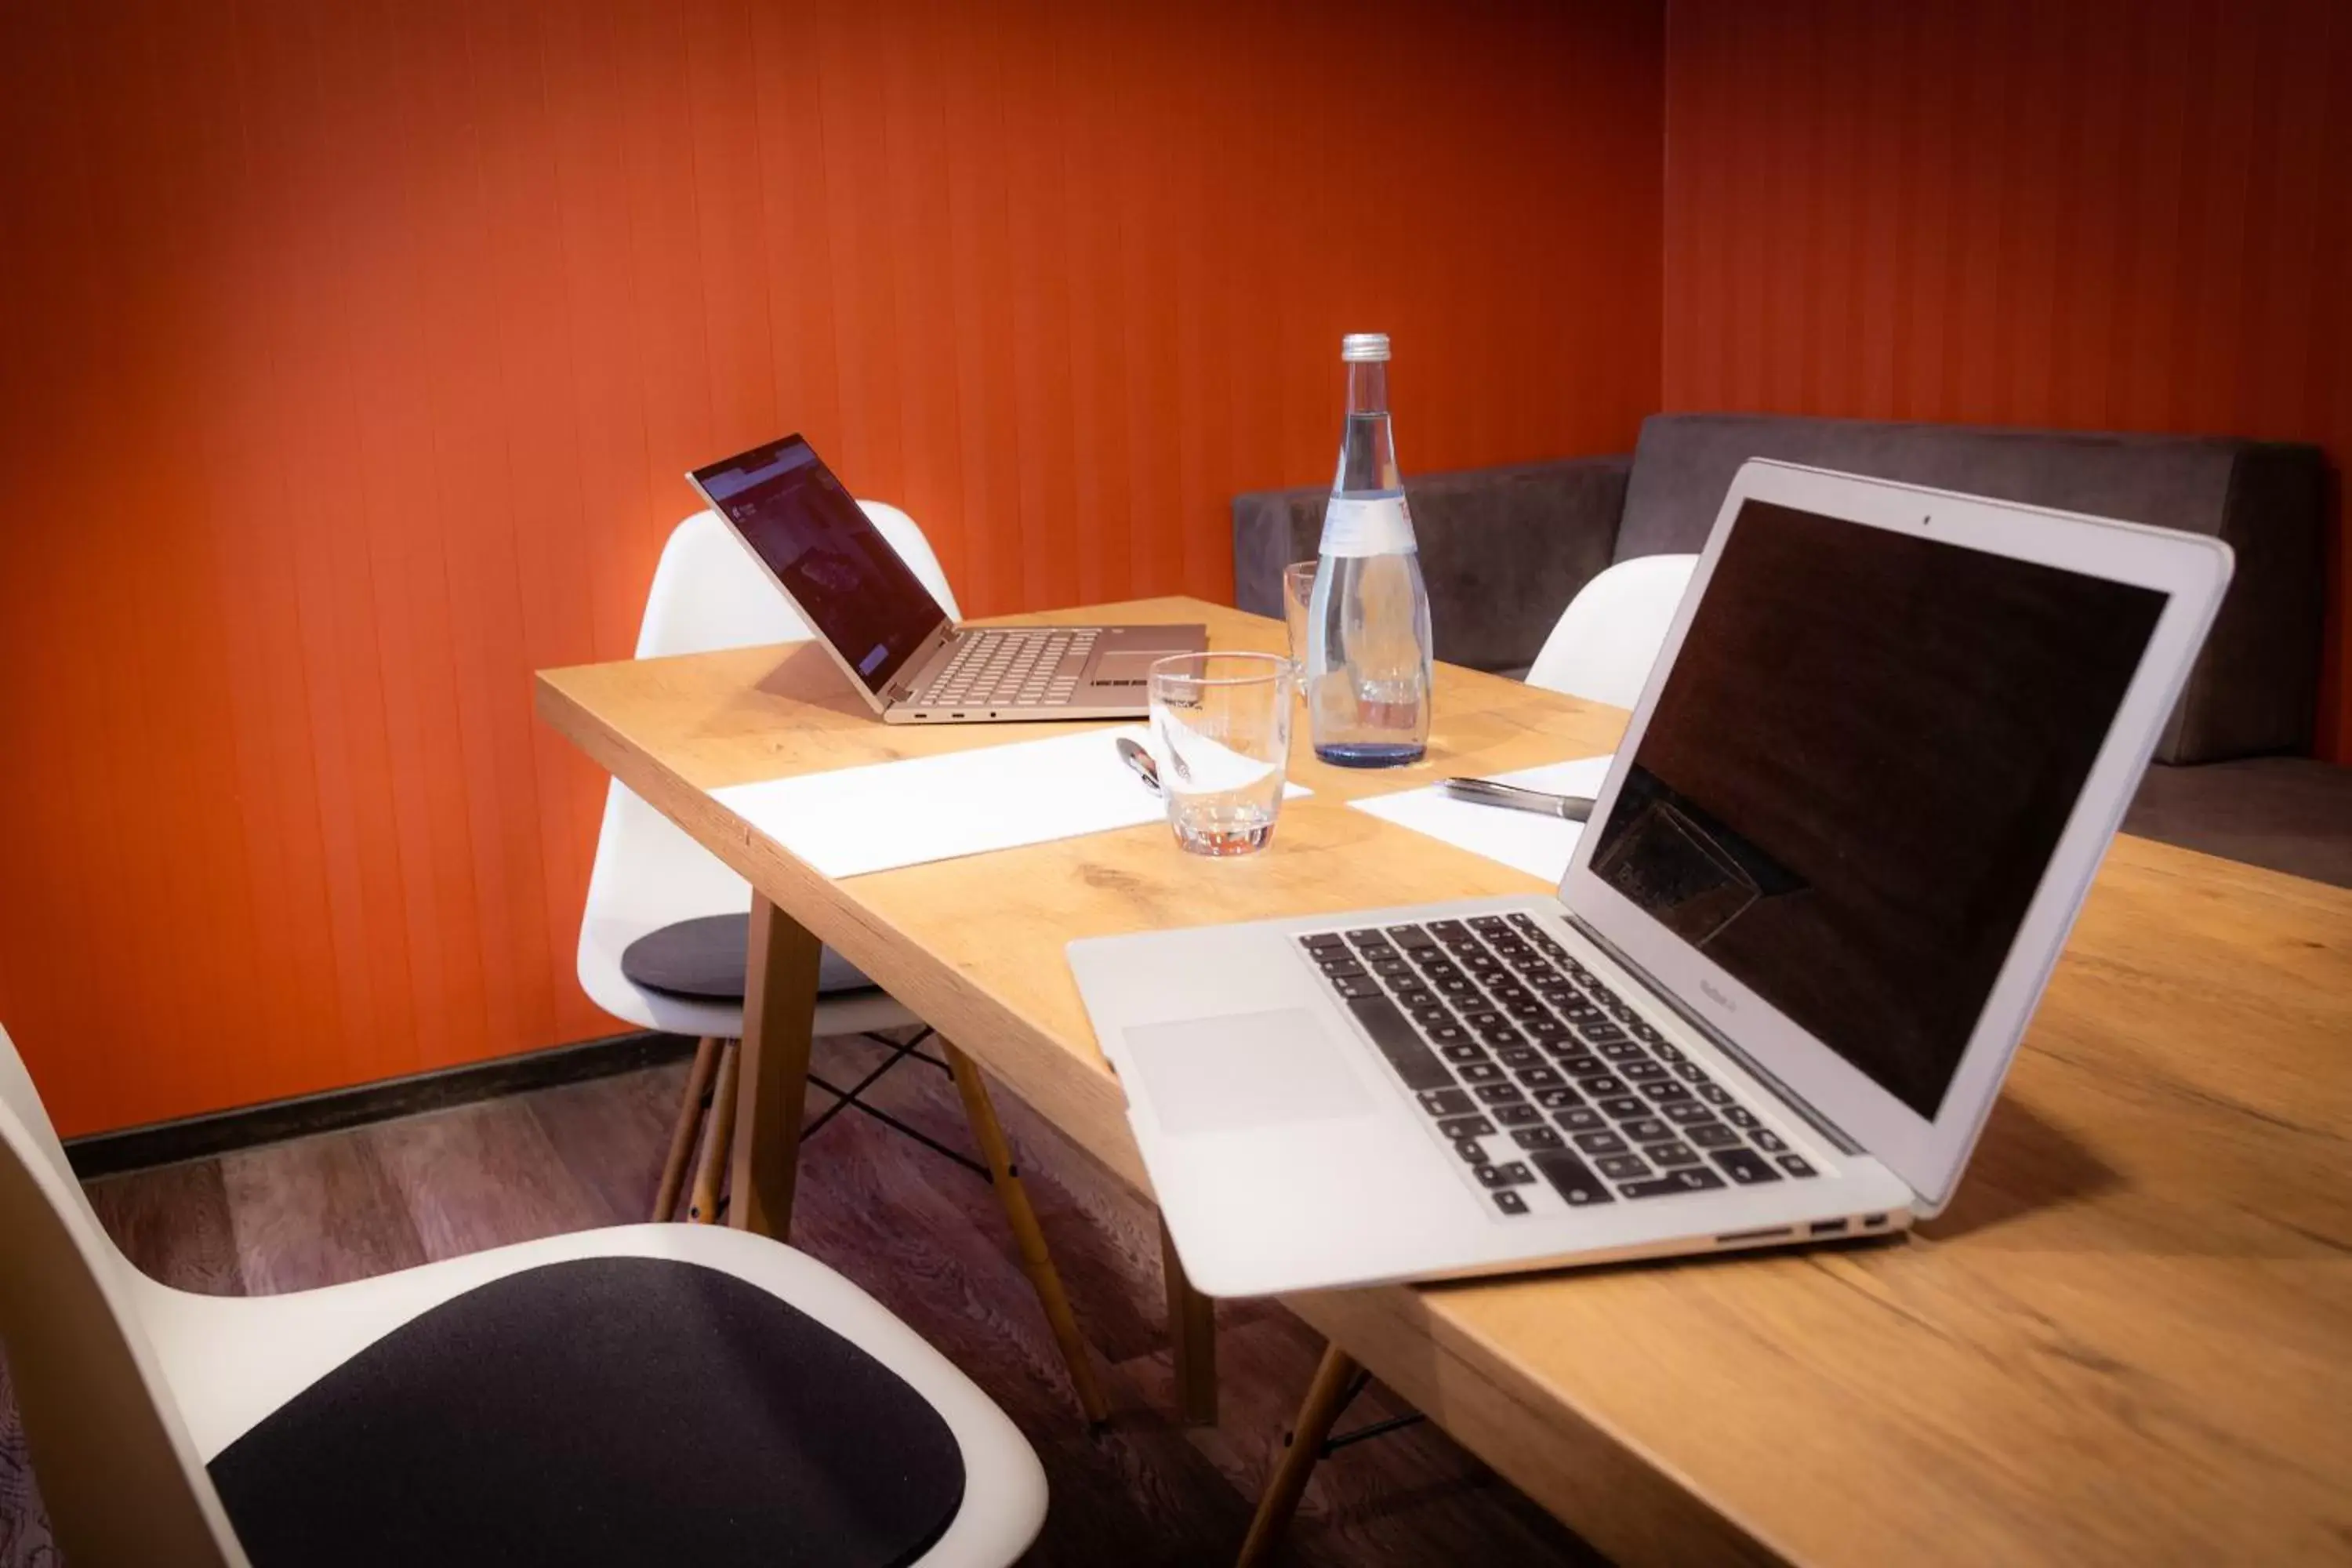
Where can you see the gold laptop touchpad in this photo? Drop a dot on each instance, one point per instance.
(1124, 669)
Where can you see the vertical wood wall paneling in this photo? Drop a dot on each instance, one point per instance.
(350, 357)
(2082, 216)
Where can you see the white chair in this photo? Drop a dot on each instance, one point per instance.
(648, 874)
(1610, 635)
(582, 1399)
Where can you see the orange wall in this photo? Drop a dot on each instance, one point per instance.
(2125, 216)
(350, 354)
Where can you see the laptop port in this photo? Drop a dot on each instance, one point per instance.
(1732, 1238)
(1874, 1221)
(1826, 1227)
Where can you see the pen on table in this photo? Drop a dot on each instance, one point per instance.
(1133, 755)
(1485, 792)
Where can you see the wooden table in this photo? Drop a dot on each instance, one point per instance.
(2129, 1339)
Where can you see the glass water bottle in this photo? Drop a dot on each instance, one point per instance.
(1368, 640)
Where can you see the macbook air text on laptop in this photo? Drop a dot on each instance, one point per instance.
(1888, 739)
(889, 636)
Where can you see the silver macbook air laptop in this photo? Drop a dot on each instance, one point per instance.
(1873, 771)
(900, 651)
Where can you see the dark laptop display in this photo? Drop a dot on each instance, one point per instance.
(839, 569)
(1859, 768)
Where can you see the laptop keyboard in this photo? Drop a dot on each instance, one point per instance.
(1534, 1071)
(1013, 667)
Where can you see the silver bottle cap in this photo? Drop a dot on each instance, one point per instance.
(1359, 348)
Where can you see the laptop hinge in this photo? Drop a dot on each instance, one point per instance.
(911, 673)
(1719, 1041)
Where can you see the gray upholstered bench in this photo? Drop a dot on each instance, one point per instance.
(1506, 548)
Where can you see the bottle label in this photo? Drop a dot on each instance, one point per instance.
(1375, 525)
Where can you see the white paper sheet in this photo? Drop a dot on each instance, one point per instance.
(1540, 846)
(882, 816)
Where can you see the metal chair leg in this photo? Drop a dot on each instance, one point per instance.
(853, 1099)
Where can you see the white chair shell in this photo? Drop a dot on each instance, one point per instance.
(1603, 644)
(129, 1388)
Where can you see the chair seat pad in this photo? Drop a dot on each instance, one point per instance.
(703, 959)
(600, 1411)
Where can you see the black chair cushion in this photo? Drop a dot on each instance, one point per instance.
(703, 959)
(610, 1410)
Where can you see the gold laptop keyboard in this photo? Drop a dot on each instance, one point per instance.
(1014, 668)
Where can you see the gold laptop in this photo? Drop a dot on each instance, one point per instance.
(900, 650)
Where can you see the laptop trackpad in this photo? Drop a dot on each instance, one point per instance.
(1117, 668)
(1249, 1070)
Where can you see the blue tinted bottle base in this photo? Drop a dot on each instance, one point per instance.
(1369, 754)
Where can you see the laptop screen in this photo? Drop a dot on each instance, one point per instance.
(1858, 769)
(835, 565)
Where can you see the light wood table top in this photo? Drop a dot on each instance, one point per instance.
(2129, 1339)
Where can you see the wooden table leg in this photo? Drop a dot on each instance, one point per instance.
(1192, 1339)
(779, 1007)
(1044, 1278)
(1324, 1397)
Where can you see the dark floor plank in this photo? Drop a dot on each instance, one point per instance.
(1103, 1237)
(1385, 1500)
(925, 1238)
(905, 1223)
(1085, 1192)
(612, 1134)
(316, 1210)
(480, 1176)
(1411, 1497)
(172, 1223)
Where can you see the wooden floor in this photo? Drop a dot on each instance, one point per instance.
(923, 1236)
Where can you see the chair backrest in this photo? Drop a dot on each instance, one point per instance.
(121, 1478)
(1610, 635)
(708, 594)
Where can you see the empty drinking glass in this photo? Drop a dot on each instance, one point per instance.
(1298, 592)
(1221, 740)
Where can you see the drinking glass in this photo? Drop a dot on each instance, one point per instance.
(1298, 592)
(1221, 740)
